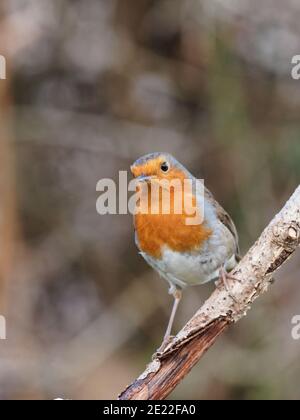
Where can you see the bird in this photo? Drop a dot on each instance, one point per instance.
(183, 254)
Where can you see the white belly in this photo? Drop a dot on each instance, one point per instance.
(199, 267)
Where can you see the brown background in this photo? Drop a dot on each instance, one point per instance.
(92, 85)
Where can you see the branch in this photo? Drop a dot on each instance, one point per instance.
(275, 246)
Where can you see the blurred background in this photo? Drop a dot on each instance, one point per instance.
(91, 86)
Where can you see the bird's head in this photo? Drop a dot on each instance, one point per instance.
(158, 166)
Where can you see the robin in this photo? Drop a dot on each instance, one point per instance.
(182, 253)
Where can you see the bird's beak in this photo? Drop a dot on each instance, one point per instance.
(140, 177)
(144, 178)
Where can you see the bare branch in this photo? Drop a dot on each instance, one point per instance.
(275, 246)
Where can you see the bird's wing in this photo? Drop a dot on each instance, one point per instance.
(224, 217)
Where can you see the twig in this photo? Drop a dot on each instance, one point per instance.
(275, 246)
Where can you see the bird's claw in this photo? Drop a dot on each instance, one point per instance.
(162, 347)
(224, 282)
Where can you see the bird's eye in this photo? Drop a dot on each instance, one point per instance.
(165, 167)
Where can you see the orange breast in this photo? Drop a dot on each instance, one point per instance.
(156, 230)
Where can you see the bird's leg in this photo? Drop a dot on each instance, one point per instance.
(177, 293)
(177, 297)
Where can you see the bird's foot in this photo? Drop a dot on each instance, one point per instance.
(162, 347)
(224, 281)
